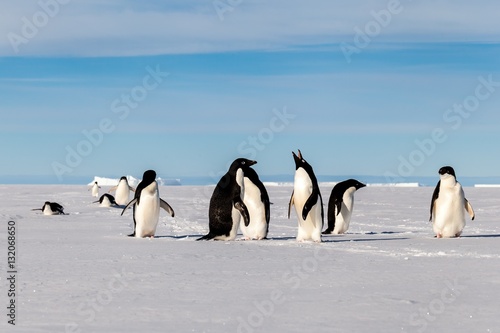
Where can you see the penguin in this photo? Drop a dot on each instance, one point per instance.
(340, 206)
(95, 189)
(448, 205)
(257, 202)
(122, 191)
(226, 204)
(51, 208)
(146, 206)
(106, 200)
(306, 197)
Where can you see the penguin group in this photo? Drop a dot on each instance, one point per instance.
(240, 202)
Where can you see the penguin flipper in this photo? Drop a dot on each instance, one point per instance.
(468, 208)
(338, 204)
(290, 204)
(435, 195)
(311, 201)
(167, 207)
(113, 189)
(131, 188)
(240, 206)
(133, 201)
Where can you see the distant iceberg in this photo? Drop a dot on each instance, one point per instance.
(487, 185)
(132, 181)
(394, 185)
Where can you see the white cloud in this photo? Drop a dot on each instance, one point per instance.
(121, 28)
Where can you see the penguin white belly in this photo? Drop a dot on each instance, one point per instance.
(343, 219)
(48, 211)
(147, 212)
(105, 202)
(449, 218)
(95, 190)
(122, 193)
(257, 229)
(310, 228)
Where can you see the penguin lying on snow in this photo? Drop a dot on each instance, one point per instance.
(340, 206)
(51, 208)
(226, 204)
(448, 205)
(147, 204)
(307, 199)
(106, 200)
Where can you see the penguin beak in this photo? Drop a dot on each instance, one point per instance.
(300, 154)
(252, 163)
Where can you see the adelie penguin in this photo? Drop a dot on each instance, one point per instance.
(106, 200)
(448, 205)
(340, 206)
(146, 206)
(226, 204)
(307, 199)
(51, 208)
(122, 193)
(95, 189)
(256, 199)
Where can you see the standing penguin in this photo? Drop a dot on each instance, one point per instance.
(340, 206)
(51, 208)
(95, 189)
(307, 199)
(448, 205)
(257, 202)
(122, 191)
(147, 204)
(226, 204)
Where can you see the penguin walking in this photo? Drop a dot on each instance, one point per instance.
(106, 200)
(226, 204)
(307, 199)
(340, 206)
(95, 189)
(146, 206)
(256, 199)
(122, 194)
(448, 205)
(51, 208)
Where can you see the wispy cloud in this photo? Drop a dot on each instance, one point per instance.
(128, 28)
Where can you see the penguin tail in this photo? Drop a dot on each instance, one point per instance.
(132, 234)
(208, 236)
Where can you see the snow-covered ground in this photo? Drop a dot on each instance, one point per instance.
(80, 273)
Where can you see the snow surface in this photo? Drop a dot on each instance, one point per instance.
(81, 273)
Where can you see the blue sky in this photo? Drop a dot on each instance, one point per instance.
(185, 87)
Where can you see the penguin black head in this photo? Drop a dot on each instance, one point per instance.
(148, 177)
(447, 170)
(123, 178)
(300, 162)
(355, 183)
(242, 163)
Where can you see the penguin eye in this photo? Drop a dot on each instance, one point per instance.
(243, 162)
